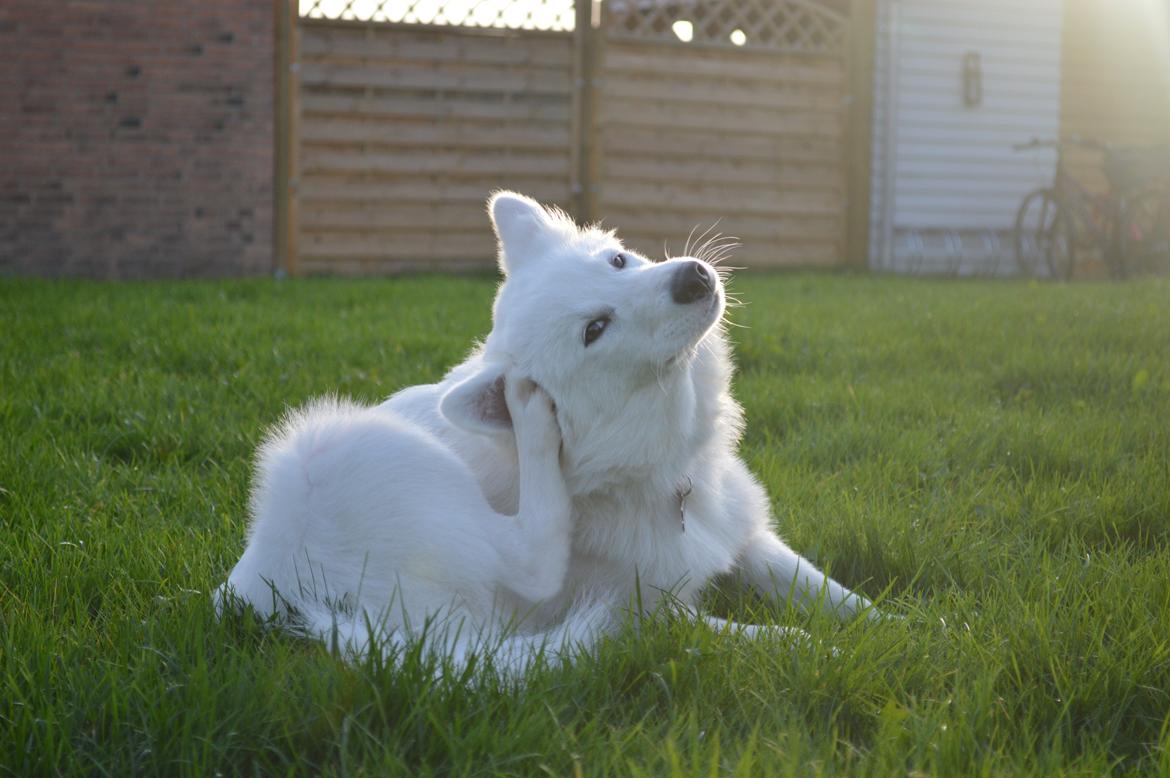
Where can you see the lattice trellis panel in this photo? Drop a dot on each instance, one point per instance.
(801, 26)
(505, 14)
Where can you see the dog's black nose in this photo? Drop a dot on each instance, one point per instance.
(692, 281)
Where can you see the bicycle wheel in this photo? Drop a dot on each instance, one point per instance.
(1043, 236)
(1145, 233)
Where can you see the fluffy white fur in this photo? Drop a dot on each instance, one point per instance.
(518, 503)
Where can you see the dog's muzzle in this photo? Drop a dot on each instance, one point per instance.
(692, 281)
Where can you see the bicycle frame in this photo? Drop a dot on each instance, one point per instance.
(1094, 218)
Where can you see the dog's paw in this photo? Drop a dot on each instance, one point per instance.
(533, 416)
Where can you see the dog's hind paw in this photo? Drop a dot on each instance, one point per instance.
(533, 416)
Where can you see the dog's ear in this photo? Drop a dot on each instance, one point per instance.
(523, 227)
(477, 403)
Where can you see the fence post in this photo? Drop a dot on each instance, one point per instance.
(859, 148)
(578, 118)
(588, 42)
(287, 137)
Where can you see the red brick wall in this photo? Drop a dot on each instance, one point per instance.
(136, 137)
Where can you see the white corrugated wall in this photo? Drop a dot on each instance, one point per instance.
(946, 182)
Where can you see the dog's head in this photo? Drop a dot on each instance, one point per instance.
(629, 349)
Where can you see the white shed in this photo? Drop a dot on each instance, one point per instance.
(956, 84)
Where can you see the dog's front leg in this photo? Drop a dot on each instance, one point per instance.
(771, 567)
(754, 630)
(535, 551)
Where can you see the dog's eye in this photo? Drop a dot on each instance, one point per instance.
(594, 329)
(618, 261)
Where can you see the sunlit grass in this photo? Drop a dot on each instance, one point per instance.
(994, 458)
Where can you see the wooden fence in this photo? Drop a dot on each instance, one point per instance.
(751, 135)
(397, 133)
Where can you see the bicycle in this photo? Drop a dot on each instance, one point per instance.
(1128, 224)
(1145, 239)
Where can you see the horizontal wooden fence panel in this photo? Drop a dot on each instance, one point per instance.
(766, 148)
(752, 138)
(404, 131)
(342, 131)
(427, 245)
(693, 228)
(381, 43)
(404, 191)
(723, 118)
(766, 95)
(370, 217)
(437, 105)
(457, 164)
(780, 252)
(722, 200)
(477, 79)
(741, 66)
(669, 169)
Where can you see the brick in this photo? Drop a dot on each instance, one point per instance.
(137, 137)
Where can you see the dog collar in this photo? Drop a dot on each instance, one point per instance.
(682, 493)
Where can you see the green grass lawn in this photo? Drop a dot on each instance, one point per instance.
(992, 459)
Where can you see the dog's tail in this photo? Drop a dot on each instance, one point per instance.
(456, 645)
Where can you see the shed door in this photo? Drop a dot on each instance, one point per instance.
(946, 181)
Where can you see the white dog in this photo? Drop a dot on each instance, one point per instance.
(586, 449)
